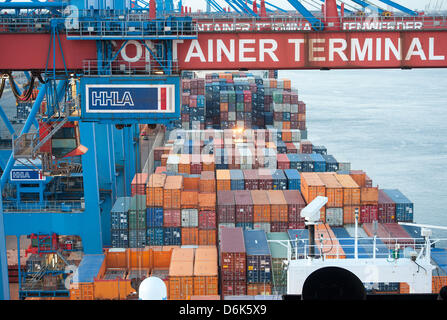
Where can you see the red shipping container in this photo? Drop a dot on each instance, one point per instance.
(368, 213)
(232, 254)
(282, 161)
(279, 226)
(207, 219)
(234, 288)
(172, 218)
(244, 206)
(305, 146)
(251, 178)
(386, 208)
(265, 179)
(226, 207)
(291, 148)
(301, 107)
(400, 234)
(296, 225)
(295, 203)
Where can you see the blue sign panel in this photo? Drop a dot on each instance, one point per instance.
(26, 175)
(121, 99)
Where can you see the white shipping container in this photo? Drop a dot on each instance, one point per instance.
(190, 218)
(334, 217)
(172, 163)
(294, 108)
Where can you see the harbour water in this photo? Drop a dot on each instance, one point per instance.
(390, 123)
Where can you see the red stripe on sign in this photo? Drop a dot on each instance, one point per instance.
(163, 98)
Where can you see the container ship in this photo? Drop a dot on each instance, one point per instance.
(199, 179)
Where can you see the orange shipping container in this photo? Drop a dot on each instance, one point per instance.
(278, 206)
(190, 236)
(330, 244)
(164, 159)
(191, 183)
(207, 182)
(82, 291)
(312, 187)
(207, 201)
(349, 214)
(359, 177)
(205, 271)
(184, 165)
(207, 237)
(181, 272)
(190, 199)
(438, 282)
(334, 190)
(261, 206)
(154, 190)
(404, 288)
(172, 192)
(351, 190)
(369, 195)
(223, 180)
(255, 289)
(208, 163)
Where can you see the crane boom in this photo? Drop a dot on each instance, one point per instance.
(399, 7)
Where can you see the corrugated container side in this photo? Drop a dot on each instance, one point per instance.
(386, 208)
(226, 207)
(278, 206)
(334, 190)
(261, 206)
(258, 257)
(244, 206)
(232, 255)
(351, 190)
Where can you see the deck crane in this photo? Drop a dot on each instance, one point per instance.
(315, 23)
(399, 7)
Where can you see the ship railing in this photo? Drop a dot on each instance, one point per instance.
(16, 24)
(52, 206)
(125, 29)
(387, 248)
(122, 67)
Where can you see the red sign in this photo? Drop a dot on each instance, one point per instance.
(211, 51)
(313, 50)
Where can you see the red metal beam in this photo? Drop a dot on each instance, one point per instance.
(280, 50)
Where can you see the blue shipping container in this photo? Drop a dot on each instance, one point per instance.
(237, 179)
(307, 163)
(319, 162)
(154, 217)
(172, 236)
(155, 236)
(331, 163)
(293, 179)
(404, 207)
(245, 225)
(295, 161)
(279, 180)
(259, 260)
(119, 238)
(88, 268)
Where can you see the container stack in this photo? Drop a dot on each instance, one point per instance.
(172, 210)
(386, 209)
(259, 263)
(137, 221)
(138, 185)
(155, 213)
(351, 198)
(295, 203)
(278, 211)
(334, 193)
(181, 274)
(120, 222)
(244, 209)
(312, 187)
(369, 197)
(207, 219)
(190, 217)
(279, 255)
(193, 104)
(206, 281)
(404, 207)
(232, 262)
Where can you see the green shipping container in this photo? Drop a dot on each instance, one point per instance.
(138, 202)
(279, 254)
(137, 219)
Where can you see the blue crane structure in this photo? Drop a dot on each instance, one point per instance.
(108, 142)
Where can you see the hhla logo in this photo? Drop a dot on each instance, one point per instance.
(111, 99)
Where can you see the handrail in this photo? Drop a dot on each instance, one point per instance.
(51, 206)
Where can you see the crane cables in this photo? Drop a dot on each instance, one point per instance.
(2, 85)
(26, 95)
